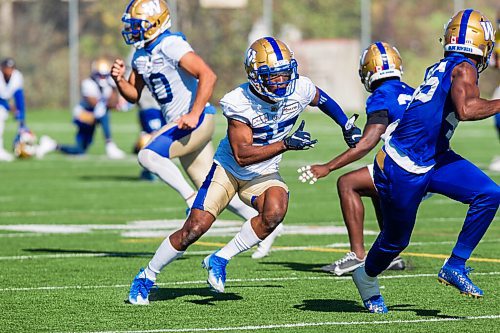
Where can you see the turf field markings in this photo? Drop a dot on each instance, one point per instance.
(203, 282)
(298, 325)
(325, 249)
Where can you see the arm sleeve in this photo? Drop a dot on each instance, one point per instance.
(21, 108)
(378, 117)
(331, 108)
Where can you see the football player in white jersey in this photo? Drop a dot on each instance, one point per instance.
(11, 87)
(182, 83)
(261, 114)
(98, 97)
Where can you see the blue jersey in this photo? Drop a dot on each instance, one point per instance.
(428, 123)
(392, 96)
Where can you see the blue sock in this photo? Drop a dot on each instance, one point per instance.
(456, 261)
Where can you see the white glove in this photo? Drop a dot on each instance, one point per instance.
(305, 175)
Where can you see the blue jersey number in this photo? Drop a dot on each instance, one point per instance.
(161, 88)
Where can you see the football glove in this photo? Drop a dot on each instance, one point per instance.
(300, 139)
(352, 134)
(305, 175)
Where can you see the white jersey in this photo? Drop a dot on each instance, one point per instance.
(158, 63)
(269, 122)
(101, 90)
(7, 90)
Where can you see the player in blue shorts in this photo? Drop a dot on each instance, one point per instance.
(380, 70)
(417, 158)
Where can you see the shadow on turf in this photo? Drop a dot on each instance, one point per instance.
(338, 305)
(114, 254)
(296, 266)
(209, 297)
(118, 178)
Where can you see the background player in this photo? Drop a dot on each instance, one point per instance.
(99, 95)
(380, 70)
(417, 158)
(260, 115)
(11, 88)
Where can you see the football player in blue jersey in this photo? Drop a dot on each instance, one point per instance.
(261, 114)
(98, 97)
(11, 88)
(380, 70)
(495, 164)
(417, 158)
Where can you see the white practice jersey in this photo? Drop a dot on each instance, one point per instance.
(269, 122)
(7, 90)
(100, 89)
(158, 63)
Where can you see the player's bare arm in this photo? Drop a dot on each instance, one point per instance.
(465, 95)
(130, 89)
(370, 138)
(241, 139)
(195, 66)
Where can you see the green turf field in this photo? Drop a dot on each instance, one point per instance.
(74, 232)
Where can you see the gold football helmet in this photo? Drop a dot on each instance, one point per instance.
(378, 61)
(25, 144)
(266, 59)
(144, 20)
(101, 67)
(470, 32)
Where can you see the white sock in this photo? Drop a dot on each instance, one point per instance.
(166, 170)
(243, 240)
(367, 285)
(240, 208)
(165, 254)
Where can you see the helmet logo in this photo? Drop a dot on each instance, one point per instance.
(251, 55)
(488, 30)
(152, 7)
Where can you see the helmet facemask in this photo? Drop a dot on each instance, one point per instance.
(266, 81)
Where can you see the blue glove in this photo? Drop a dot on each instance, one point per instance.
(300, 139)
(352, 134)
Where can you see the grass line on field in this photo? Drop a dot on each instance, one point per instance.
(330, 277)
(300, 325)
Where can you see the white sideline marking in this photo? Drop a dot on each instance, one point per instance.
(85, 255)
(326, 323)
(195, 282)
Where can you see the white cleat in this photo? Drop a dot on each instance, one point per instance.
(114, 152)
(46, 145)
(264, 247)
(6, 156)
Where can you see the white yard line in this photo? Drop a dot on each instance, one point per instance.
(196, 282)
(298, 325)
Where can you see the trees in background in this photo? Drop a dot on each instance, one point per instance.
(39, 36)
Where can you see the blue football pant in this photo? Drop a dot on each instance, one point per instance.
(84, 137)
(401, 193)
